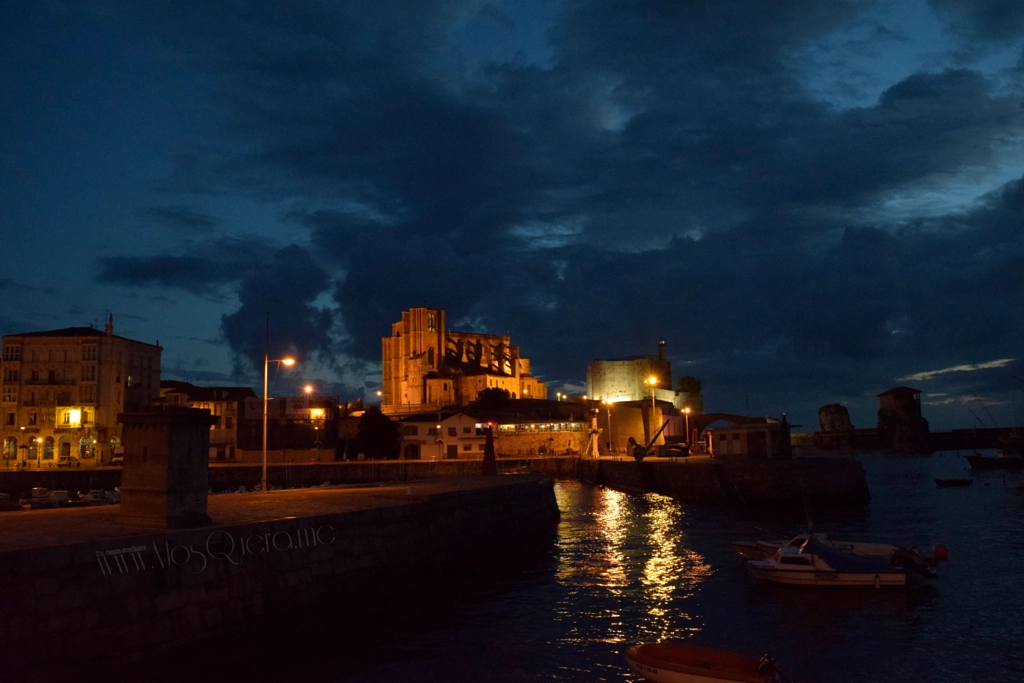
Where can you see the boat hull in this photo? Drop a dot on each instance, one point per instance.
(795, 577)
(682, 663)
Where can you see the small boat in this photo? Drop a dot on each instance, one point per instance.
(675, 662)
(817, 564)
(1006, 460)
(947, 483)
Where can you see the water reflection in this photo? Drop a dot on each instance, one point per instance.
(671, 574)
(628, 570)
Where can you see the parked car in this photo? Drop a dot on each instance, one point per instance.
(117, 459)
(674, 451)
(68, 461)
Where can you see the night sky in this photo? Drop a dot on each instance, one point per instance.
(811, 201)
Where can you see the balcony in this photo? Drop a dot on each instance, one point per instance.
(55, 382)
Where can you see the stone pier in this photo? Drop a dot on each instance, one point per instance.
(79, 590)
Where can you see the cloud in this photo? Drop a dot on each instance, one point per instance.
(559, 199)
(208, 266)
(994, 20)
(973, 367)
(181, 218)
(279, 299)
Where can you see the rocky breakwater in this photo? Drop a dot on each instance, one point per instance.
(753, 482)
(78, 588)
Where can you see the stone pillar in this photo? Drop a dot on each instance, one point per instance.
(165, 477)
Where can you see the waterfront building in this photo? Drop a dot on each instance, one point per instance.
(461, 433)
(763, 438)
(303, 428)
(426, 367)
(232, 428)
(63, 390)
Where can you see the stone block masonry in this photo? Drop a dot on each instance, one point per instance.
(78, 590)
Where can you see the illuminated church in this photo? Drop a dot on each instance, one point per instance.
(426, 367)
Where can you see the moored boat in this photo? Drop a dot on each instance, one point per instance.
(816, 564)
(1005, 461)
(676, 662)
(947, 483)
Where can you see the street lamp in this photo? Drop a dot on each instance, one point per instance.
(653, 381)
(686, 412)
(266, 368)
(608, 405)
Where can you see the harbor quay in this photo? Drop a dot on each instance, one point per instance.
(737, 482)
(232, 476)
(695, 478)
(79, 587)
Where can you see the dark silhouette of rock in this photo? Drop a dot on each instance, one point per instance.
(834, 419)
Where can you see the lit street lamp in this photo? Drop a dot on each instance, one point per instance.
(266, 367)
(653, 381)
(608, 405)
(686, 412)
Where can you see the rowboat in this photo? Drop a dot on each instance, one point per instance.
(816, 564)
(675, 662)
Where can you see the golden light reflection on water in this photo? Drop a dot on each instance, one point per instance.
(672, 571)
(622, 555)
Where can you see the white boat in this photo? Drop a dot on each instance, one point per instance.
(909, 558)
(815, 563)
(674, 662)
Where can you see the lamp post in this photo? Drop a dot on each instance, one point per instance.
(686, 412)
(653, 381)
(608, 405)
(266, 371)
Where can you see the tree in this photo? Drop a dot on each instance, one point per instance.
(690, 388)
(834, 418)
(492, 397)
(377, 436)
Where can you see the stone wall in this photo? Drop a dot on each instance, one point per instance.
(110, 601)
(224, 476)
(15, 483)
(736, 482)
(530, 443)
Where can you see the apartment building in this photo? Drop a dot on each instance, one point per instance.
(62, 391)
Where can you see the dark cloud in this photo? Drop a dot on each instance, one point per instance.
(666, 173)
(996, 20)
(208, 266)
(283, 292)
(181, 218)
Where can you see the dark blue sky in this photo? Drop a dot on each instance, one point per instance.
(811, 202)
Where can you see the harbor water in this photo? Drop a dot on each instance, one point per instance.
(622, 569)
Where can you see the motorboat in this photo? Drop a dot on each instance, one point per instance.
(760, 550)
(815, 563)
(677, 662)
